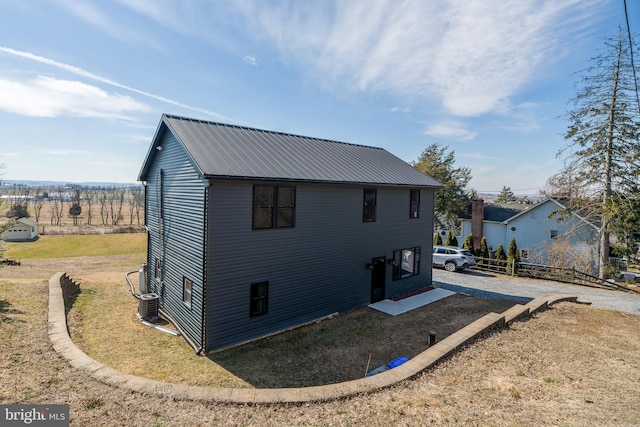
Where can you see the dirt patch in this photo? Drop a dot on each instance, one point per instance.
(347, 346)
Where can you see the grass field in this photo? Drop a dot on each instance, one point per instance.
(77, 246)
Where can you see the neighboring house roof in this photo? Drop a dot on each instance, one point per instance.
(27, 221)
(507, 213)
(501, 213)
(559, 206)
(229, 151)
(529, 208)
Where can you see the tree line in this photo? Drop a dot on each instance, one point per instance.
(84, 205)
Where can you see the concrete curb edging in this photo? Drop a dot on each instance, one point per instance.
(62, 344)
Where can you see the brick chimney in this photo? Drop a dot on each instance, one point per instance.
(477, 214)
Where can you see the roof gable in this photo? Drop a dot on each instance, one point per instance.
(536, 206)
(228, 151)
(26, 221)
(550, 200)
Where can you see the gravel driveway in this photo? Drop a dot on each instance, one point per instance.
(520, 289)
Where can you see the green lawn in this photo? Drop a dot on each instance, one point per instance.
(70, 246)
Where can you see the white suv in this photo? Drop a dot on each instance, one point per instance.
(452, 259)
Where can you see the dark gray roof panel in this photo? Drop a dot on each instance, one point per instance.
(496, 212)
(222, 150)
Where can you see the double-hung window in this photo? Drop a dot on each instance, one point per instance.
(187, 289)
(406, 263)
(259, 298)
(414, 204)
(273, 206)
(157, 270)
(369, 208)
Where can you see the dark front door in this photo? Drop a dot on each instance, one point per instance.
(378, 275)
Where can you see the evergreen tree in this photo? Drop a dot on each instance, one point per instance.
(603, 154)
(468, 244)
(500, 254)
(451, 200)
(437, 239)
(451, 239)
(506, 196)
(483, 252)
(513, 256)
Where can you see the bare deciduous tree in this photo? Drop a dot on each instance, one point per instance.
(88, 196)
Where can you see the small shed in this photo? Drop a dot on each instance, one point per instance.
(23, 230)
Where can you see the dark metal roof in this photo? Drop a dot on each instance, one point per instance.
(229, 151)
(496, 212)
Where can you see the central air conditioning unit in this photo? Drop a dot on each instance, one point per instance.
(148, 306)
(147, 301)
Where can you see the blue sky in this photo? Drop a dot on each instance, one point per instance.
(83, 84)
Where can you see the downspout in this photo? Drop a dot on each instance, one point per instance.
(196, 347)
(205, 264)
(161, 243)
(146, 224)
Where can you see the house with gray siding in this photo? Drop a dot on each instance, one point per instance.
(251, 231)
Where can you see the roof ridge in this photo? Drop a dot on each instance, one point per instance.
(211, 122)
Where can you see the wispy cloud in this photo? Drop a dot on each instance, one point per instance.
(48, 97)
(450, 130)
(470, 56)
(116, 28)
(400, 110)
(88, 75)
(67, 153)
(251, 60)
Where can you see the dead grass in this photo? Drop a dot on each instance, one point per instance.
(345, 347)
(570, 365)
(334, 350)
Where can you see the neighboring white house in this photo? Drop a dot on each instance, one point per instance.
(533, 227)
(23, 230)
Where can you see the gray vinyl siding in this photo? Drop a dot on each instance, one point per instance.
(317, 268)
(178, 238)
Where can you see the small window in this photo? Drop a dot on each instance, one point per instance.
(187, 286)
(414, 209)
(157, 272)
(554, 234)
(263, 206)
(369, 210)
(259, 298)
(406, 263)
(273, 207)
(286, 197)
